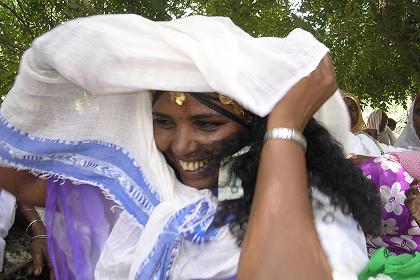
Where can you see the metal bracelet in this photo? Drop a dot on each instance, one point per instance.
(284, 133)
(39, 236)
(31, 223)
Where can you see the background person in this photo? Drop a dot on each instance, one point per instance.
(377, 122)
(355, 111)
(410, 136)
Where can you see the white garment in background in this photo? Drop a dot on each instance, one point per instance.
(408, 137)
(362, 144)
(7, 217)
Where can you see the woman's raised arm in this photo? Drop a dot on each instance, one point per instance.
(281, 241)
(26, 187)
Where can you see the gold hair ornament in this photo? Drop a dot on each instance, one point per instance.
(226, 100)
(178, 97)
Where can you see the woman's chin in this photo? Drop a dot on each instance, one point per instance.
(199, 184)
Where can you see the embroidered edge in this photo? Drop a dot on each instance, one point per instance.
(24, 151)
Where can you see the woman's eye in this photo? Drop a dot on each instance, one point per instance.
(417, 111)
(206, 125)
(164, 123)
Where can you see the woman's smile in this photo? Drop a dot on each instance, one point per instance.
(193, 166)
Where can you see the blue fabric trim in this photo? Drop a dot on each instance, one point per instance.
(95, 162)
(193, 223)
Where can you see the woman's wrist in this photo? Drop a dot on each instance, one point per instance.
(286, 115)
(38, 229)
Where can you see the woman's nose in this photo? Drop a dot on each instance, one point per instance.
(183, 143)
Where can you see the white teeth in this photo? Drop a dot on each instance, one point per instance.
(192, 165)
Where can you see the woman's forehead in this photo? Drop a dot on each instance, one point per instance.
(183, 102)
(169, 105)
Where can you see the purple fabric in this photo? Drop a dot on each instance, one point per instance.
(401, 234)
(78, 221)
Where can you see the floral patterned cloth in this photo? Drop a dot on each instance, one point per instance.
(401, 234)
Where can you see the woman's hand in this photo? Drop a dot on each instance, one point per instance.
(39, 245)
(413, 200)
(372, 133)
(39, 252)
(305, 98)
(357, 159)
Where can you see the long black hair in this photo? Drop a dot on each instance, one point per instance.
(328, 170)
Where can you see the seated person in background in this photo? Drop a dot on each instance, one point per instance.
(361, 141)
(355, 111)
(377, 122)
(392, 124)
(410, 136)
(390, 132)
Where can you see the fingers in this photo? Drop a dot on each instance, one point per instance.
(325, 74)
(357, 159)
(50, 265)
(52, 275)
(415, 182)
(37, 256)
(296, 108)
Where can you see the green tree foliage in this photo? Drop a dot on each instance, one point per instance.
(374, 43)
(21, 21)
(257, 17)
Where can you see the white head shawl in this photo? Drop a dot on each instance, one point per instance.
(408, 138)
(80, 106)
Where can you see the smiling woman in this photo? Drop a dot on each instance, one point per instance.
(127, 137)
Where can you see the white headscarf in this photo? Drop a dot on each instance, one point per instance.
(374, 120)
(408, 138)
(80, 108)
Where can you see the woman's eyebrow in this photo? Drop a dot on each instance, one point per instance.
(162, 115)
(206, 116)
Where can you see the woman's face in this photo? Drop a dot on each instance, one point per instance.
(416, 118)
(353, 111)
(191, 138)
